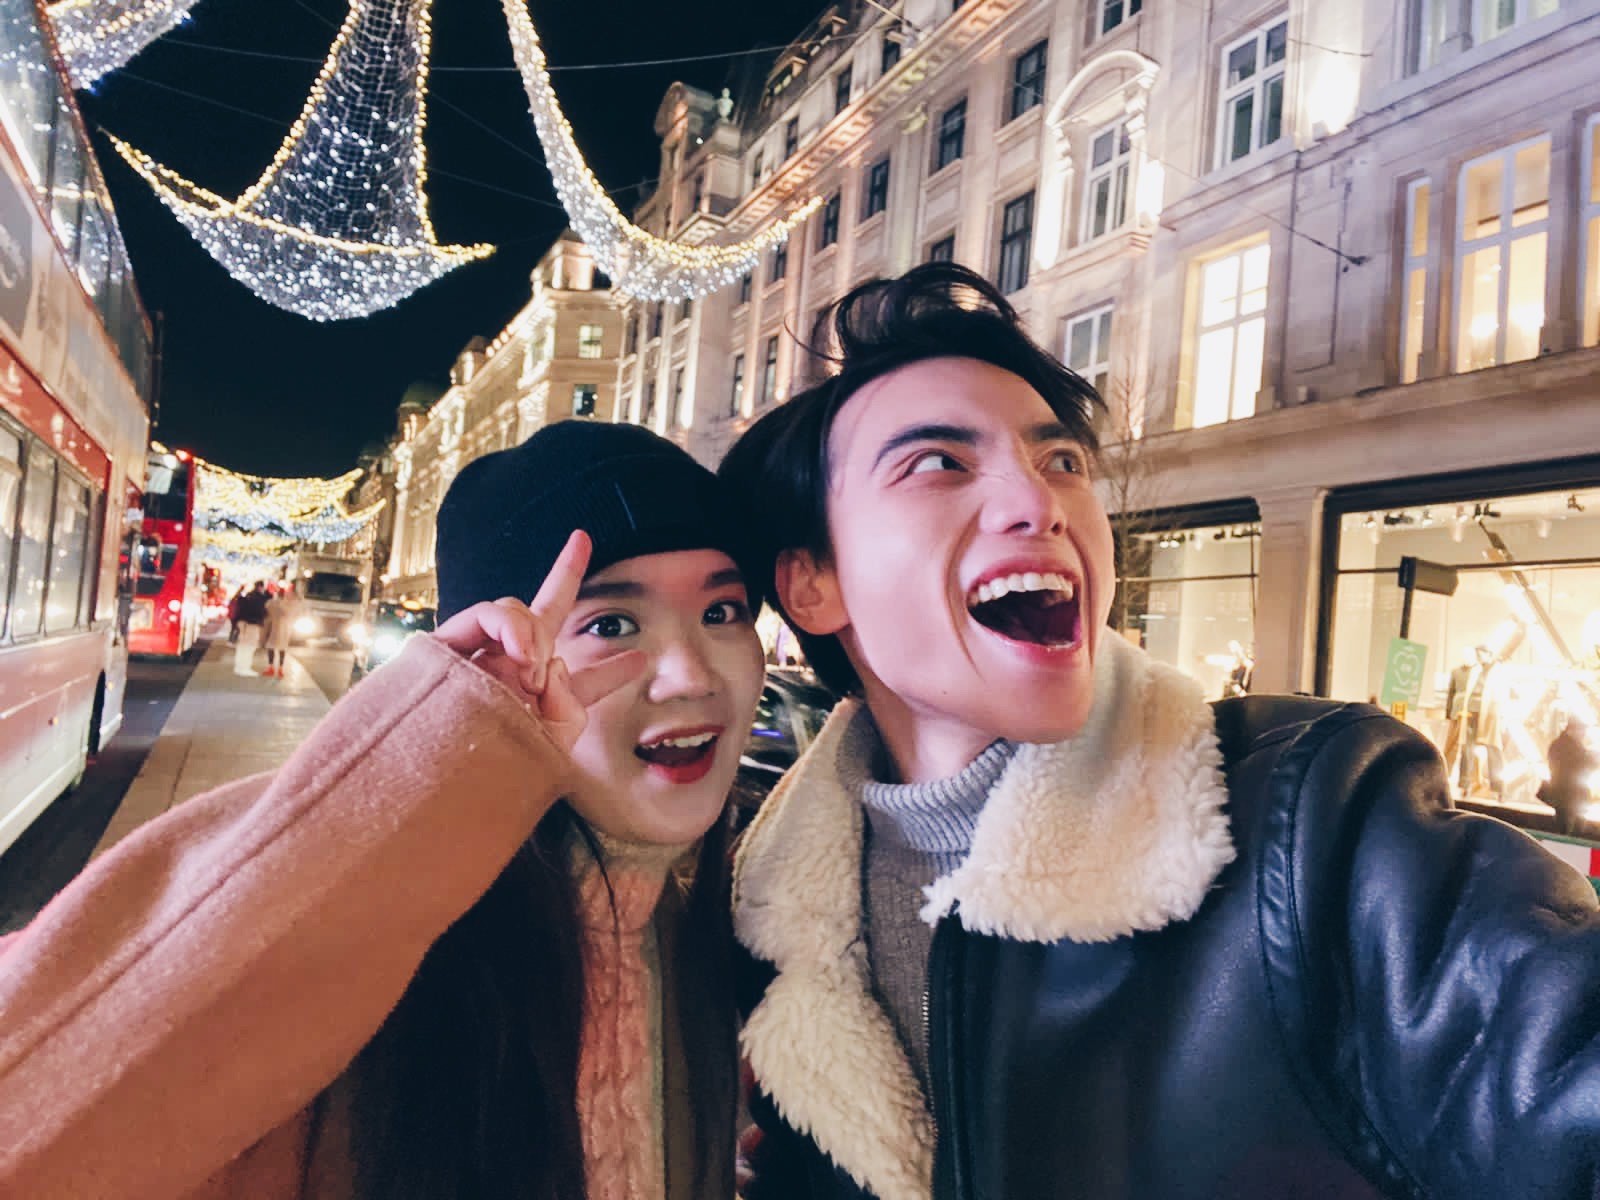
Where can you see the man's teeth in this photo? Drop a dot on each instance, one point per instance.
(1026, 582)
(683, 743)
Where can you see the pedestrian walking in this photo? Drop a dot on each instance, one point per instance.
(233, 616)
(283, 610)
(473, 939)
(252, 616)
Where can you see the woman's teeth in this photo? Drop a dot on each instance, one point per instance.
(677, 751)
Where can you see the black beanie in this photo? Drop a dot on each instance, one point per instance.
(507, 515)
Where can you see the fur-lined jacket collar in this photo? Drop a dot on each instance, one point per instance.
(1118, 830)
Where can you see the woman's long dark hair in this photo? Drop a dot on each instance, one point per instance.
(470, 1087)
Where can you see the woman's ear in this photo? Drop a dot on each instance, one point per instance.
(808, 590)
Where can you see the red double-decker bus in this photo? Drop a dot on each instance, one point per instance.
(169, 595)
(75, 376)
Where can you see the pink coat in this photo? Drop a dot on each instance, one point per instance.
(166, 1022)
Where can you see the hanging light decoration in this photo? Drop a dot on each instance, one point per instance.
(248, 514)
(639, 263)
(337, 226)
(98, 36)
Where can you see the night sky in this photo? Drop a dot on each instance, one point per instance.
(260, 390)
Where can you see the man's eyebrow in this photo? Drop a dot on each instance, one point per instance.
(961, 434)
(611, 591)
(1051, 431)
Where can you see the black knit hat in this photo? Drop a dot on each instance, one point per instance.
(507, 515)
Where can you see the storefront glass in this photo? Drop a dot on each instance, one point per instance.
(1188, 597)
(1507, 683)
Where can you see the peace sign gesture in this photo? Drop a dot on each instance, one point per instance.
(515, 642)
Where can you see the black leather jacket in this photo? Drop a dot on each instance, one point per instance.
(1379, 997)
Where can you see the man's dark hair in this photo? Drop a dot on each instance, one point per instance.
(780, 469)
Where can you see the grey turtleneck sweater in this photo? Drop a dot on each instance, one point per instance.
(914, 835)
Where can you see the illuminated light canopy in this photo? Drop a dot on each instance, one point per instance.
(640, 264)
(260, 515)
(337, 226)
(98, 36)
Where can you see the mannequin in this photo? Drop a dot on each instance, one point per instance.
(1471, 707)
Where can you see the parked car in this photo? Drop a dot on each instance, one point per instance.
(793, 706)
(388, 626)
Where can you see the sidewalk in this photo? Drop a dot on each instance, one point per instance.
(223, 727)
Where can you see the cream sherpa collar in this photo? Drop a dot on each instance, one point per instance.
(1118, 830)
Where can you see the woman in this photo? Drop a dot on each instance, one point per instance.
(282, 612)
(400, 966)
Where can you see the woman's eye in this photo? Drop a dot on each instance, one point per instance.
(612, 625)
(727, 612)
(936, 460)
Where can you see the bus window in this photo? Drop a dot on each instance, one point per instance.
(335, 589)
(10, 487)
(38, 488)
(151, 575)
(68, 551)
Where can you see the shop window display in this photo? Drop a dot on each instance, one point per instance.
(1188, 597)
(1510, 683)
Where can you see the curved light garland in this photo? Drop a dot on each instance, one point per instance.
(337, 226)
(256, 514)
(98, 36)
(639, 263)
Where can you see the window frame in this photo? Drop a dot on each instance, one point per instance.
(1010, 238)
(828, 227)
(1255, 86)
(1414, 309)
(591, 391)
(934, 247)
(843, 85)
(945, 135)
(1195, 327)
(596, 345)
(890, 52)
(1127, 10)
(791, 137)
(736, 398)
(1018, 101)
(1116, 174)
(15, 470)
(1101, 316)
(778, 263)
(875, 195)
(769, 371)
(1589, 235)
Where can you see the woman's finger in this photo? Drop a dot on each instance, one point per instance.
(559, 592)
(594, 683)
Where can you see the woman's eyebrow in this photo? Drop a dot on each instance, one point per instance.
(727, 577)
(611, 591)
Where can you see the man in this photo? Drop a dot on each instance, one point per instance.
(252, 616)
(1031, 919)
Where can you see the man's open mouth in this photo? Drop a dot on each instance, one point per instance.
(679, 751)
(1040, 609)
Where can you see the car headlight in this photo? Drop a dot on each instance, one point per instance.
(386, 644)
(305, 625)
(360, 635)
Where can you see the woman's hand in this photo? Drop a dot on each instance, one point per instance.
(515, 643)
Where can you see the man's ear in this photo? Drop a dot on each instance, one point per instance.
(809, 593)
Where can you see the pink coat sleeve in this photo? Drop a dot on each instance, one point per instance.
(202, 982)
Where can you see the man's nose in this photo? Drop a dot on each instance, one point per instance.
(1021, 500)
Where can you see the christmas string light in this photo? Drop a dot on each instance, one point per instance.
(640, 264)
(337, 226)
(98, 36)
(244, 514)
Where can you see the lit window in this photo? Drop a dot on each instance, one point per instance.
(877, 193)
(1591, 233)
(1252, 92)
(584, 398)
(1501, 248)
(1415, 300)
(1115, 12)
(736, 395)
(1016, 243)
(590, 341)
(1105, 197)
(1027, 80)
(952, 135)
(944, 250)
(1230, 335)
(828, 233)
(1088, 347)
(841, 91)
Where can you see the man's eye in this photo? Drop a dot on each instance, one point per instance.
(1072, 461)
(727, 612)
(612, 625)
(936, 460)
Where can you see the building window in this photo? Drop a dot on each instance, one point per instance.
(685, 308)
(877, 193)
(1465, 23)
(746, 286)
(1230, 335)
(633, 334)
(1591, 233)
(1105, 197)
(828, 233)
(1501, 248)
(778, 265)
(1027, 80)
(769, 372)
(944, 250)
(1088, 347)
(758, 167)
(591, 340)
(1016, 243)
(1414, 301)
(650, 402)
(841, 91)
(699, 198)
(791, 137)
(890, 53)
(584, 398)
(1115, 12)
(1251, 109)
(736, 395)
(656, 318)
(952, 135)
(683, 416)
